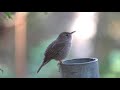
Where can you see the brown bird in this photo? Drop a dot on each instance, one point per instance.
(58, 49)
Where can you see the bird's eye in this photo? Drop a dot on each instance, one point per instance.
(66, 34)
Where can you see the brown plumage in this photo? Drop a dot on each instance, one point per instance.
(58, 49)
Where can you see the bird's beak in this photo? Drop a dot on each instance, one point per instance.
(72, 32)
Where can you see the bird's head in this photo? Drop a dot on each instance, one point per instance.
(65, 36)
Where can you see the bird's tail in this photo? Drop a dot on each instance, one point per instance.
(44, 62)
(40, 67)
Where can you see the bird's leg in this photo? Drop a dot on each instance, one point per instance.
(60, 62)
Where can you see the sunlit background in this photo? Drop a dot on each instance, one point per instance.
(25, 37)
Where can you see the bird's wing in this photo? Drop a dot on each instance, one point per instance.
(53, 49)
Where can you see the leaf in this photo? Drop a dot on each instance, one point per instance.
(8, 14)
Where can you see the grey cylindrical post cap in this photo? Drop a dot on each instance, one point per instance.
(80, 68)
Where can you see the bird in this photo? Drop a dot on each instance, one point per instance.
(58, 49)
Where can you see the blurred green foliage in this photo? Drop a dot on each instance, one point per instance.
(111, 66)
(6, 14)
(7, 72)
(9, 14)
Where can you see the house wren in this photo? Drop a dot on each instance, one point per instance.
(58, 49)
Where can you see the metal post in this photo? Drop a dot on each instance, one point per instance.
(80, 68)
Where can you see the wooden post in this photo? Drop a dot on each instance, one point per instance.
(20, 44)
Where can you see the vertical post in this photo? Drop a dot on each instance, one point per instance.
(20, 44)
